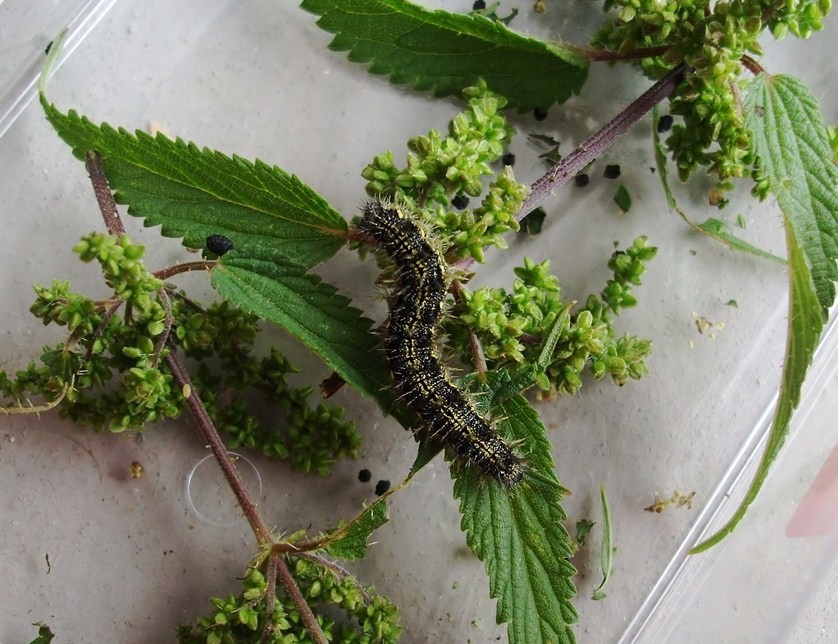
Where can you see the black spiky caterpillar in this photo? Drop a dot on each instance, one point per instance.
(415, 309)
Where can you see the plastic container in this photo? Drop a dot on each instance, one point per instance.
(774, 579)
(101, 555)
(26, 29)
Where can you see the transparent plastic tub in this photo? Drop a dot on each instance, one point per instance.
(101, 555)
(774, 579)
(26, 29)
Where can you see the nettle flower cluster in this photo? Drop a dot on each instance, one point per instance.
(444, 171)
(111, 372)
(717, 40)
(441, 173)
(513, 325)
(244, 617)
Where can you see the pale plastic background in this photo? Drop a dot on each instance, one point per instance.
(128, 560)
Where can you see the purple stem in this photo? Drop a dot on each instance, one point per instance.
(276, 565)
(574, 162)
(102, 190)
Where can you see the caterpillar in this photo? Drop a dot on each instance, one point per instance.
(416, 305)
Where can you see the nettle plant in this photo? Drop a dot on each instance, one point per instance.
(123, 363)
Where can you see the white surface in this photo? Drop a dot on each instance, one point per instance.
(128, 560)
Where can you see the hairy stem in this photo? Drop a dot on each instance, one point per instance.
(102, 190)
(251, 513)
(751, 65)
(203, 265)
(595, 145)
(37, 409)
(331, 385)
(219, 450)
(270, 598)
(163, 340)
(114, 224)
(299, 601)
(112, 307)
(478, 358)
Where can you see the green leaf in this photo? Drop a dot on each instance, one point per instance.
(545, 358)
(583, 529)
(532, 223)
(313, 311)
(428, 449)
(623, 199)
(713, 228)
(45, 635)
(350, 541)
(791, 141)
(519, 534)
(447, 52)
(194, 193)
(606, 557)
(804, 331)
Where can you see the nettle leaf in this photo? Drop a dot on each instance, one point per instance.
(279, 228)
(194, 193)
(447, 52)
(313, 311)
(350, 541)
(804, 331)
(520, 535)
(790, 139)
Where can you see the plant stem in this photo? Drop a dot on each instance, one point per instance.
(114, 224)
(603, 55)
(185, 267)
(112, 308)
(270, 598)
(37, 409)
(331, 385)
(478, 358)
(102, 190)
(163, 340)
(219, 450)
(231, 473)
(276, 565)
(595, 145)
(299, 601)
(751, 65)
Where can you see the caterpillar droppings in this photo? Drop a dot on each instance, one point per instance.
(415, 308)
